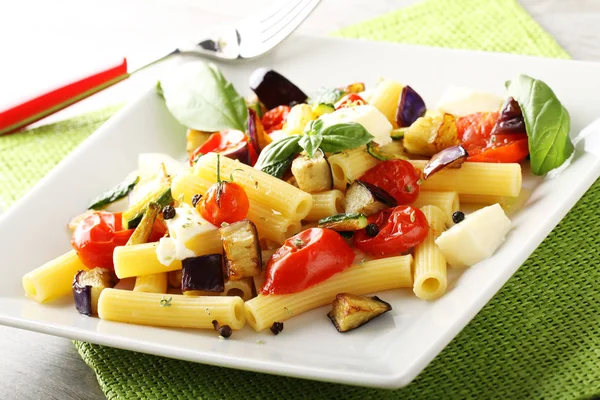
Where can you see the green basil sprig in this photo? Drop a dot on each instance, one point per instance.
(547, 123)
(199, 97)
(330, 139)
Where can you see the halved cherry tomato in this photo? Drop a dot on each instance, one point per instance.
(400, 229)
(397, 177)
(232, 143)
(274, 119)
(306, 259)
(224, 202)
(350, 100)
(98, 234)
(475, 132)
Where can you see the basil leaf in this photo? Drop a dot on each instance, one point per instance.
(279, 169)
(325, 95)
(278, 151)
(114, 194)
(200, 98)
(310, 143)
(547, 123)
(344, 136)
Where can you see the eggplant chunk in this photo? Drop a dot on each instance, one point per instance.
(431, 134)
(87, 286)
(351, 311)
(202, 274)
(451, 157)
(313, 175)
(241, 247)
(367, 199)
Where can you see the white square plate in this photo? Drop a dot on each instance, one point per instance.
(388, 352)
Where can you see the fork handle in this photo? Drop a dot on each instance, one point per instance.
(33, 109)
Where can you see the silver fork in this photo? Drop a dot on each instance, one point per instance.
(249, 38)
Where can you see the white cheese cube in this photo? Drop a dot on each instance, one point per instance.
(461, 101)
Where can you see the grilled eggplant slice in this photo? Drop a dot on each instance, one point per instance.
(451, 157)
(313, 175)
(344, 222)
(87, 286)
(431, 134)
(202, 274)
(367, 199)
(273, 89)
(351, 311)
(241, 247)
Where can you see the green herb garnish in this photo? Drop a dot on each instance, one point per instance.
(164, 302)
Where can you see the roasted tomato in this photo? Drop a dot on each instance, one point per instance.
(231, 143)
(350, 100)
(400, 229)
(475, 133)
(274, 119)
(397, 177)
(306, 259)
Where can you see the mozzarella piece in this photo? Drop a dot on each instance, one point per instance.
(475, 238)
(185, 226)
(149, 164)
(461, 101)
(368, 116)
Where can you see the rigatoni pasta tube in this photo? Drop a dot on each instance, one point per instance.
(154, 283)
(170, 310)
(325, 204)
(270, 224)
(448, 202)
(368, 277)
(53, 279)
(499, 179)
(260, 187)
(430, 265)
(385, 98)
(350, 165)
(140, 259)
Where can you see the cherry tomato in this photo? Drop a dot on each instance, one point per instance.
(474, 129)
(306, 259)
(232, 143)
(397, 177)
(224, 202)
(97, 235)
(274, 119)
(400, 229)
(350, 100)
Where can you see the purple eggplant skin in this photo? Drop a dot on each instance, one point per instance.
(451, 157)
(410, 107)
(379, 194)
(82, 294)
(274, 89)
(253, 130)
(240, 153)
(203, 273)
(510, 120)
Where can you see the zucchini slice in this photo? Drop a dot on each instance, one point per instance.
(376, 151)
(114, 194)
(344, 222)
(144, 229)
(322, 108)
(398, 133)
(161, 196)
(351, 311)
(367, 199)
(241, 247)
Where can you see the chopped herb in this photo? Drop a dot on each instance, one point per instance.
(287, 310)
(207, 311)
(186, 225)
(493, 139)
(408, 188)
(298, 242)
(224, 224)
(412, 217)
(420, 181)
(231, 175)
(260, 342)
(164, 302)
(168, 212)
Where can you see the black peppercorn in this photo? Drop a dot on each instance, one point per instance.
(168, 212)
(458, 216)
(196, 199)
(346, 234)
(276, 327)
(372, 230)
(225, 331)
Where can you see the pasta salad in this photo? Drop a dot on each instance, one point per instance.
(287, 202)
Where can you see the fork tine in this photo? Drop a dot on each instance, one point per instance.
(275, 30)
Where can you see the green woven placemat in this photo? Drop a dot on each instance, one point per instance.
(539, 337)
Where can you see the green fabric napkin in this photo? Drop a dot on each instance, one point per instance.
(539, 337)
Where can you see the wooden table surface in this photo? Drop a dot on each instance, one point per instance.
(37, 366)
